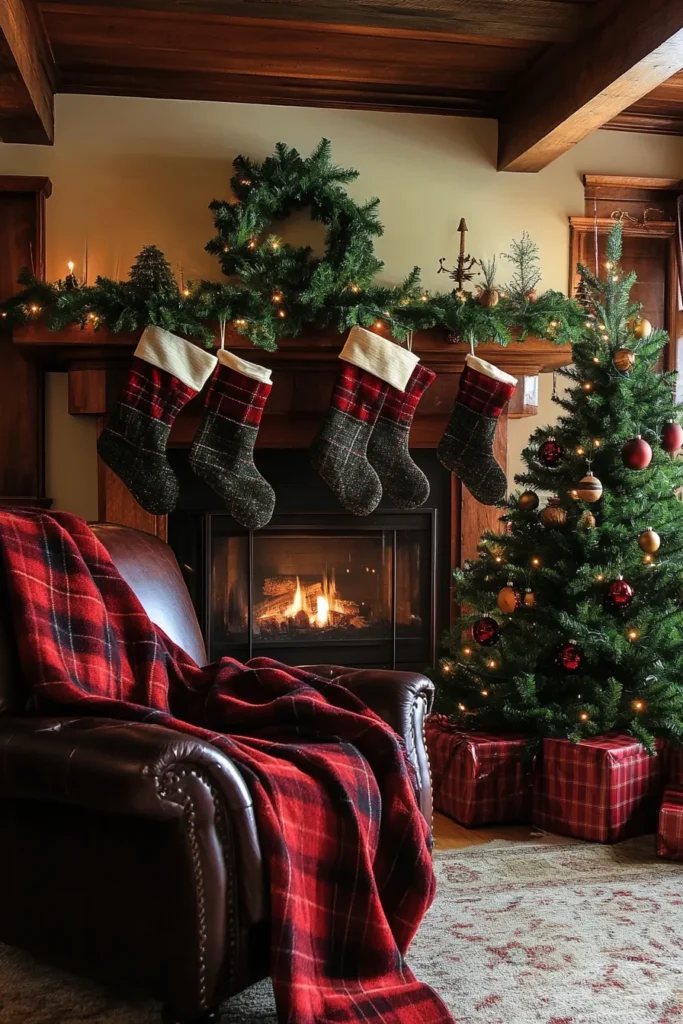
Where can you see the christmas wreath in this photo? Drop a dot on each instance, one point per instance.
(276, 288)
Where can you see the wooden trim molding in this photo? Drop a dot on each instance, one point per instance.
(28, 90)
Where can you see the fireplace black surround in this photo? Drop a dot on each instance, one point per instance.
(316, 585)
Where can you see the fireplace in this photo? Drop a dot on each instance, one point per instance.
(316, 585)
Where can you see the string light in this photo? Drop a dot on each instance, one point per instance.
(599, 578)
(536, 561)
(580, 451)
(573, 493)
(584, 716)
(648, 559)
(484, 693)
(601, 326)
(277, 297)
(71, 266)
(240, 323)
(354, 288)
(275, 245)
(596, 359)
(186, 292)
(378, 325)
(462, 707)
(587, 323)
(492, 664)
(252, 244)
(596, 442)
(245, 181)
(281, 313)
(226, 248)
(424, 298)
(638, 705)
(553, 323)
(467, 651)
(608, 265)
(3, 315)
(633, 634)
(35, 309)
(498, 559)
(587, 386)
(446, 667)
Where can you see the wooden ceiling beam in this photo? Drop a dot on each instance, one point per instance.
(536, 21)
(27, 75)
(572, 90)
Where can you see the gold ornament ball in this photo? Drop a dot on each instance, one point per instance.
(528, 501)
(649, 541)
(624, 360)
(587, 521)
(529, 599)
(531, 295)
(489, 297)
(553, 514)
(509, 599)
(588, 489)
(642, 329)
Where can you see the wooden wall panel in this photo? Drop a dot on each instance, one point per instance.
(22, 243)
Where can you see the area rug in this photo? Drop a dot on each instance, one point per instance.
(547, 932)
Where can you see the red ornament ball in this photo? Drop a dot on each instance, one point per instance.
(672, 436)
(620, 593)
(486, 631)
(550, 453)
(636, 453)
(569, 657)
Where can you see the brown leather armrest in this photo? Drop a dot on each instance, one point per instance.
(109, 765)
(133, 768)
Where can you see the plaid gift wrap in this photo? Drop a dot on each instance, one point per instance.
(605, 789)
(478, 779)
(670, 829)
(672, 765)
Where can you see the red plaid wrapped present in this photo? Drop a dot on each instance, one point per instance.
(605, 789)
(670, 829)
(673, 765)
(478, 779)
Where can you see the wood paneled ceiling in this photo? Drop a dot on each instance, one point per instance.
(551, 71)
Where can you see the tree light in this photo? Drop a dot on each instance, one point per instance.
(608, 265)
(467, 651)
(277, 297)
(596, 442)
(275, 245)
(638, 705)
(462, 707)
(498, 559)
(492, 664)
(226, 248)
(354, 288)
(446, 667)
(378, 325)
(580, 451)
(71, 266)
(245, 181)
(587, 386)
(186, 292)
(599, 578)
(484, 693)
(536, 561)
(648, 559)
(252, 244)
(240, 323)
(281, 313)
(584, 716)
(633, 634)
(35, 309)
(596, 359)
(424, 298)
(3, 315)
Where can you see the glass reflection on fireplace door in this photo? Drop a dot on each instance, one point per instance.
(307, 594)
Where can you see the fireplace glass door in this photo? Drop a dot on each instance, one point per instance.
(307, 592)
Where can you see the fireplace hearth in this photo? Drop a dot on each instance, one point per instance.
(317, 584)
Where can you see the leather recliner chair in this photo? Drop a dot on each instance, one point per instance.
(129, 852)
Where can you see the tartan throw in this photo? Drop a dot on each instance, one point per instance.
(670, 828)
(478, 779)
(605, 789)
(222, 453)
(339, 450)
(403, 483)
(346, 846)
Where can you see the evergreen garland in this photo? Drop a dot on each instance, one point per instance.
(276, 289)
(631, 671)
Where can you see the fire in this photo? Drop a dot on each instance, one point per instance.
(316, 605)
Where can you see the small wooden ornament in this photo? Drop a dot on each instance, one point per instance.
(649, 541)
(529, 599)
(528, 501)
(509, 599)
(587, 521)
(624, 360)
(642, 329)
(588, 489)
(553, 515)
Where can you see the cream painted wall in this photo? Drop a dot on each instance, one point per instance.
(127, 172)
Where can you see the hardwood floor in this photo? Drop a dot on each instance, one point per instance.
(448, 835)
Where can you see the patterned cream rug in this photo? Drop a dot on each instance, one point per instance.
(547, 932)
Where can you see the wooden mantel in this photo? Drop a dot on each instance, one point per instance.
(304, 369)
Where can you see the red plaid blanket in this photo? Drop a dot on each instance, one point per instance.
(346, 846)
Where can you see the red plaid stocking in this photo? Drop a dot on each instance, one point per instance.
(223, 450)
(404, 483)
(466, 447)
(167, 372)
(339, 452)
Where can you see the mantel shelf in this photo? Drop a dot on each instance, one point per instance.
(313, 348)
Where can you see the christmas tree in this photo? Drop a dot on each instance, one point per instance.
(572, 619)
